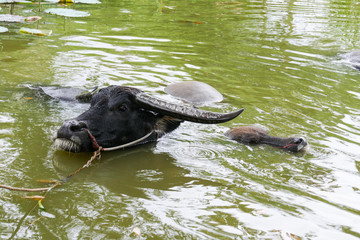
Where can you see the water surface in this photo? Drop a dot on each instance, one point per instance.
(280, 60)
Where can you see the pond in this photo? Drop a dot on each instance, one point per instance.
(280, 60)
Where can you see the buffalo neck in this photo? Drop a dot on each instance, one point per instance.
(276, 141)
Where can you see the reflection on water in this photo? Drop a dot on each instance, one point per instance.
(280, 60)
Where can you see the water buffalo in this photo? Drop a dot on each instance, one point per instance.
(122, 116)
(194, 92)
(255, 135)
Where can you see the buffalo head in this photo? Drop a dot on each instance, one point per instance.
(119, 115)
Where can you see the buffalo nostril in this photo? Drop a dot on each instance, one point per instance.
(76, 126)
(300, 140)
(82, 125)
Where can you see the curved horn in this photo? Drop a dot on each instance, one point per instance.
(183, 112)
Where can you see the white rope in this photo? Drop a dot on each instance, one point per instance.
(128, 144)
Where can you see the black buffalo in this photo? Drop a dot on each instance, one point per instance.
(255, 135)
(119, 115)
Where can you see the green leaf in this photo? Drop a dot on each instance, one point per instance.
(47, 214)
(17, 18)
(67, 12)
(74, 1)
(14, 1)
(87, 1)
(3, 29)
(66, 1)
(37, 32)
(41, 206)
(11, 18)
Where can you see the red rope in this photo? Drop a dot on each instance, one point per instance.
(289, 145)
(95, 144)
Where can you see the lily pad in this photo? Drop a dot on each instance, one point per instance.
(14, 1)
(17, 18)
(73, 1)
(194, 92)
(80, 1)
(87, 1)
(67, 12)
(3, 29)
(37, 32)
(11, 18)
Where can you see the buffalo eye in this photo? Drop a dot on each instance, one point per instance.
(122, 108)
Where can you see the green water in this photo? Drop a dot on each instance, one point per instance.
(280, 60)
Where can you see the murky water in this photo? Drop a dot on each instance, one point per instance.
(280, 60)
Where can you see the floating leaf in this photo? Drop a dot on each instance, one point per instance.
(37, 32)
(87, 1)
(14, 1)
(67, 12)
(11, 18)
(46, 180)
(293, 236)
(136, 231)
(32, 19)
(73, 1)
(46, 214)
(51, 1)
(3, 29)
(41, 206)
(36, 198)
(17, 18)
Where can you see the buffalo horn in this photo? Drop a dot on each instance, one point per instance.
(183, 112)
(86, 96)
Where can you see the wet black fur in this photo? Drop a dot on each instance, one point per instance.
(114, 118)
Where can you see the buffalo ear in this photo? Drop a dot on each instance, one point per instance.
(86, 96)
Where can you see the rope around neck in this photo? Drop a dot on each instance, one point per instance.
(97, 146)
(285, 147)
